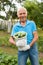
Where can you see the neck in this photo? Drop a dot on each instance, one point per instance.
(23, 23)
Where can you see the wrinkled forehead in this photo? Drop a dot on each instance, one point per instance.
(22, 10)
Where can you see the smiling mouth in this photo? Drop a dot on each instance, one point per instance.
(22, 17)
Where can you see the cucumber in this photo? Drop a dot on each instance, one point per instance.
(20, 34)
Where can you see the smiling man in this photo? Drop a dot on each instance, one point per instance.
(29, 49)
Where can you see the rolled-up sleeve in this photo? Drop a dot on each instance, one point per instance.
(13, 31)
(34, 27)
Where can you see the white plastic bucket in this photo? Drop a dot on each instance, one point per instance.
(22, 41)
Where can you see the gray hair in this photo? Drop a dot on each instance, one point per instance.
(20, 9)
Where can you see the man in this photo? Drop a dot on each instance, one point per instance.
(29, 50)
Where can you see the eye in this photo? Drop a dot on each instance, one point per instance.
(23, 13)
(20, 14)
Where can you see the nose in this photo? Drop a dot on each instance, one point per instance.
(22, 15)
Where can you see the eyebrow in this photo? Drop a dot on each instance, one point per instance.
(22, 13)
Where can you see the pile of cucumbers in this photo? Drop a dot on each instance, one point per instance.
(20, 35)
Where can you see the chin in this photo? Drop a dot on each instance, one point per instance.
(23, 20)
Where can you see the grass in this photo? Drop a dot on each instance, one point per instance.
(8, 50)
(40, 32)
(5, 46)
(40, 40)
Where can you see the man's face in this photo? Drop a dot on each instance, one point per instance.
(22, 15)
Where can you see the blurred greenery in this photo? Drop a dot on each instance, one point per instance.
(8, 52)
(6, 59)
(35, 11)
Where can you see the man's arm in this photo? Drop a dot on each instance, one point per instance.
(11, 40)
(35, 38)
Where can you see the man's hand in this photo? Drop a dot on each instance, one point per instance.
(12, 41)
(34, 39)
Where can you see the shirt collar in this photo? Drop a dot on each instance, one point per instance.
(27, 22)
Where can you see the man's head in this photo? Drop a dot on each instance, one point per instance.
(22, 14)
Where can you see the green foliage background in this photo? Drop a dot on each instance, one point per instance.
(6, 59)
